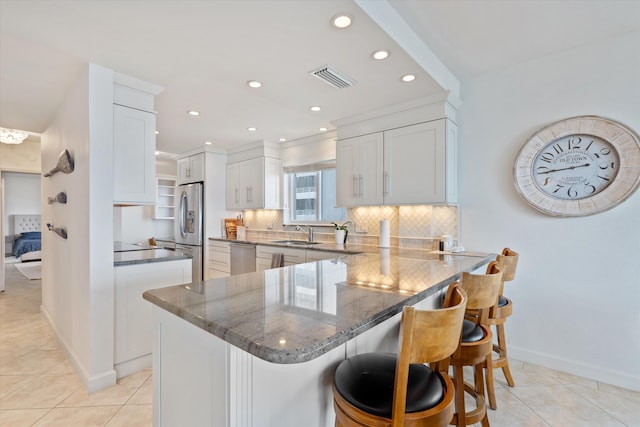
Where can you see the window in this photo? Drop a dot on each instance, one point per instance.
(312, 194)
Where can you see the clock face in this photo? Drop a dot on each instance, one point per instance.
(575, 167)
(578, 166)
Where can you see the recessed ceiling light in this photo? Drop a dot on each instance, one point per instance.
(322, 129)
(315, 108)
(254, 83)
(380, 54)
(208, 142)
(252, 129)
(193, 112)
(282, 139)
(408, 78)
(157, 153)
(341, 21)
(157, 132)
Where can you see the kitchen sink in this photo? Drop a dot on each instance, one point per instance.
(295, 242)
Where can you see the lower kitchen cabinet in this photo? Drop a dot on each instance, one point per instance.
(313, 255)
(291, 256)
(219, 259)
(132, 344)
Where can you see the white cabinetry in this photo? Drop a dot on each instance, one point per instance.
(413, 164)
(359, 170)
(219, 259)
(291, 256)
(191, 169)
(253, 184)
(132, 346)
(314, 255)
(134, 162)
(165, 197)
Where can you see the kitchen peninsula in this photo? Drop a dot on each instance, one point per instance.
(260, 349)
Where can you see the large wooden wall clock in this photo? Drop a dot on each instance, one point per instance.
(578, 166)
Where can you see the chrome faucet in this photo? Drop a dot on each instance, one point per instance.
(309, 231)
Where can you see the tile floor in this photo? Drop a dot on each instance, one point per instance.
(38, 387)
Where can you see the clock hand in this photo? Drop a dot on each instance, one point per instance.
(564, 169)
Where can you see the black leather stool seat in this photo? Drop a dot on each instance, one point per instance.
(366, 381)
(471, 332)
(502, 301)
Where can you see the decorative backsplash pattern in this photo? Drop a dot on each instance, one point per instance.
(411, 226)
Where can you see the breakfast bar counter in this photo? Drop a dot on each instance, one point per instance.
(260, 349)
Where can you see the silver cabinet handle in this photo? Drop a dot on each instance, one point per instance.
(236, 194)
(385, 183)
(355, 189)
(360, 185)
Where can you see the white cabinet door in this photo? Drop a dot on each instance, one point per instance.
(253, 184)
(219, 259)
(134, 161)
(359, 170)
(191, 169)
(415, 164)
(232, 186)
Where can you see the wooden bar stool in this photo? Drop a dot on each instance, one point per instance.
(508, 262)
(384, 389)
(475, 349)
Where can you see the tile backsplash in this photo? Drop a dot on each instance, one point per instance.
(411, 226)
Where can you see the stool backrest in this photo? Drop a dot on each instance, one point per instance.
(508, 261)
(483, 290)
(277, 260)
(426, 336)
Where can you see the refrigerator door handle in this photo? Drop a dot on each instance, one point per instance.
(183, 214)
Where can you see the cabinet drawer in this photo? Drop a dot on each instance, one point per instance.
(291, 256)
(220, 265)
(218, 246)
(219, 256)
(313, 255)
(216, 274)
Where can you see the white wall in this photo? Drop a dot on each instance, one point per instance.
(577, 290)
(22, 196)
(77, 283)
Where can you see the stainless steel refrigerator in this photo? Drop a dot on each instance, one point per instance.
(188, 227)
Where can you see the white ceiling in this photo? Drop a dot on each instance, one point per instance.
(203, 52)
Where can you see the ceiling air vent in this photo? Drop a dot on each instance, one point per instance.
(333, 77)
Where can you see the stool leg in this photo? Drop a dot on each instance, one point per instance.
(502, 343)
(459, 385)
(491, 392)
(479, 384)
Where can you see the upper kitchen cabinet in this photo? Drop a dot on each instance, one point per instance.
(405, 157)
(191, 169)
(134, 141)
(420, 164)
(359, 172)
(253, 184)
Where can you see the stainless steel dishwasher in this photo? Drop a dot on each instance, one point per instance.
(243, 258)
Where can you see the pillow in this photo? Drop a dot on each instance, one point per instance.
(31, 235)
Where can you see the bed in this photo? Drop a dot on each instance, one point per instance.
(27, 242)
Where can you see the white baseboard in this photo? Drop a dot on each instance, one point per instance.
(133, 366)
(596, 373)
(91, 383)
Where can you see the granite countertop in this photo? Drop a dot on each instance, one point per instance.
(146, 255)
(351, 248)
(297, 313)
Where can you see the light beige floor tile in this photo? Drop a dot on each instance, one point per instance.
(10, 383)
(118, 394)
(619, 391)
(44, 391)
(560, 377)
(61, 368)
(33, 362)
(20, 417)
(527, 375)
(624, 408)
(96, 416)
(133, 416)
(144, 395)
(559, 406)
(512, 412)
